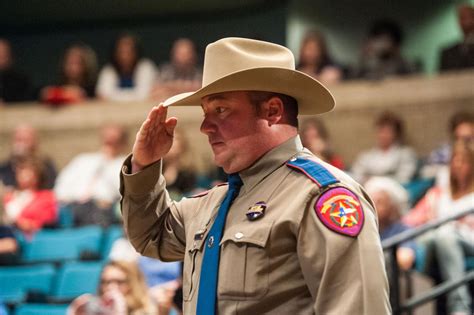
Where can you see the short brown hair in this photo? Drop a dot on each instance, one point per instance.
(391, 120)
(458, 119)
(290, 105)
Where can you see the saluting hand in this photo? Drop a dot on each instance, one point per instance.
(154, 139)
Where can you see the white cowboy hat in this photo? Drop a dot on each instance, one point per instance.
(241, 64)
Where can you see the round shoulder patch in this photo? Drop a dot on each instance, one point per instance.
(340, 210)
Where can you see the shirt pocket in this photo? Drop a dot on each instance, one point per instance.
(191, 267)
(245, 262)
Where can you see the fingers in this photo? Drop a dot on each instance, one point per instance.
(170, 125)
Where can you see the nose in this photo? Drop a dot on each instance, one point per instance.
(208, 126)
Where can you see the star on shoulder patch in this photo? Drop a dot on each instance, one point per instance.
(340, 210)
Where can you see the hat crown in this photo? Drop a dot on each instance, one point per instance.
(230, 55)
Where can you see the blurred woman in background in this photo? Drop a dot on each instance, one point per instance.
(28, 206)
(315, 138)
(452, 242)
(122, 291)
(77, 77)
(315, 59)
(129, 76)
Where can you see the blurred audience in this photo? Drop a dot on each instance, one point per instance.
(122, 291)
(25, 145)
(77, 77)
(315, 138)
(28, 206)
(390, 157)
(381, 53)
(315, 59)
(178, 168)
(452, 242)
(14, 85)
(89, 185)
(461, 55)
(461, 128)
(391, 202)
(181, 73)
(129, 76)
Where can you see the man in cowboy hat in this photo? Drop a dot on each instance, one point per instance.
(289, 234)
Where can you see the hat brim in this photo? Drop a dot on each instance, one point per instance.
(313, 98)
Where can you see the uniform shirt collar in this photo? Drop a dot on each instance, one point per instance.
(269, 162)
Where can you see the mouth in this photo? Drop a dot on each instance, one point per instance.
(216, 144)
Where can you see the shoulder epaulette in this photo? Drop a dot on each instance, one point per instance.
(313, 170)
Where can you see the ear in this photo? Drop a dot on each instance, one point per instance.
(272, 111)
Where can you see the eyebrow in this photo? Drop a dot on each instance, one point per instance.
(214, 97)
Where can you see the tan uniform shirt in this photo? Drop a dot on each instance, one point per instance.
(286, 262)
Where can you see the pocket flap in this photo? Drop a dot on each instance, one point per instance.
(252, 233)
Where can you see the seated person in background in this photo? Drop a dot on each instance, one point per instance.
(381, 55)
(182, 73)
(315, 138)
(77, 77)
(129, 76)
(29, 206)
(315, 59)
(178, 168)
(461, 127)
(390, 157)
(452, 242)
(122, 291)
(391, 201)
(14, 85)
(24, 145)
(88, 185)
(461, 55)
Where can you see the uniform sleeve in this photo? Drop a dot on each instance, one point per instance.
(151, 219)
(345, 275)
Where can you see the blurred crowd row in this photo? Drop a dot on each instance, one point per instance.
(130, 76)
(408, 191)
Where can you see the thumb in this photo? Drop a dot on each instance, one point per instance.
(170, 125)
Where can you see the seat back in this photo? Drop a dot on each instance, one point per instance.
(17, 281)
(111, 234)
(41, 309)
(76, 278)
(62, 244)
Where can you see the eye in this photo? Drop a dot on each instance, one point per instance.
(220, 109)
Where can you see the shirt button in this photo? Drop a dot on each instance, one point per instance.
(238, 235)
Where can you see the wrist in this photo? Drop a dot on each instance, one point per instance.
(136, 167)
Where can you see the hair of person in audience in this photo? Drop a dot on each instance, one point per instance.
(458, 119)
(183, 44)
(137, 297)
(6, 58)
(391, 120)
(465, 150)
(88, 63)
(466, 18)
(24, 140)
(122, 132)
(387, 27)
(314, 37)
(137, 48)
(36, 165)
